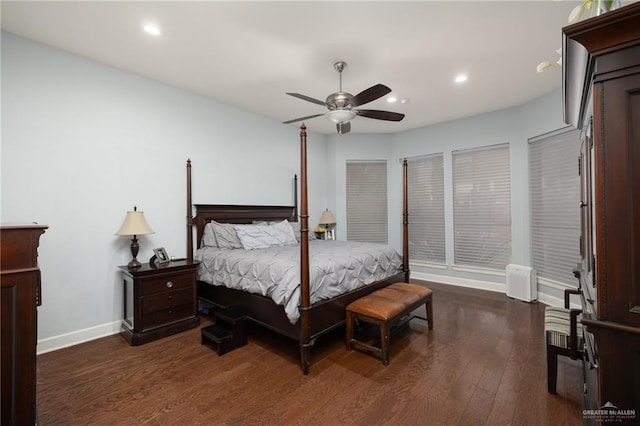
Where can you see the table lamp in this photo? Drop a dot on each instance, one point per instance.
(326, 220)
(134, 224)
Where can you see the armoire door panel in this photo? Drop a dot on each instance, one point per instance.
(618, 203)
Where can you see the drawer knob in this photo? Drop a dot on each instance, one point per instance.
(169, 284)
(170, 297)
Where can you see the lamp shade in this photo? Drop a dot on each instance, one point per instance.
(327, 218)
(134, 224)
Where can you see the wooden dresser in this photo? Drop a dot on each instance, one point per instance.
(19, 299)
(601, 88)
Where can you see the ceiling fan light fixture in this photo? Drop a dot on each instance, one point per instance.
(341, 115)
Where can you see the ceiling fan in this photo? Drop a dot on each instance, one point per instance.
(341, 105)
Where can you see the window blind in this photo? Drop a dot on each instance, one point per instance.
(367, 202)
(555, 215)
(482, 207)
(425, 178)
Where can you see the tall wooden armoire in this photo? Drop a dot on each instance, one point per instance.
(601, 88)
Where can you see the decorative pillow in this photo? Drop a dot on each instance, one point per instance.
(294, 225)
(226, 236)
(296, 230)
(265, 236)
(209, 236)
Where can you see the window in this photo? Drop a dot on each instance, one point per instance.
(482, 207)
(426, 209)
(555, 196)
(367, 201)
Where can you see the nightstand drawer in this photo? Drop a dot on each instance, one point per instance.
(167, 283)
(167, 300)
(165, 316)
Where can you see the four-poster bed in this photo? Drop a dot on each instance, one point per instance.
(315, 319)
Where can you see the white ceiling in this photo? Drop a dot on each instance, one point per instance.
(249, 54)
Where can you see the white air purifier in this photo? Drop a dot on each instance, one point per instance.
(521, 283)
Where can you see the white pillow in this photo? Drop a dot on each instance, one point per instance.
(226, 237)
(265, 236)
(209, 236)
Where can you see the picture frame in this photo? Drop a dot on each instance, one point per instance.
(161, 256)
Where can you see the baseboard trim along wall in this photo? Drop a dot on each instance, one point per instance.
(76, 337)
(461, 282)
(482, 285)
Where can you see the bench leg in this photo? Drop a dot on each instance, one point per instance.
(349, 321)
(384, 341)
(429, 306)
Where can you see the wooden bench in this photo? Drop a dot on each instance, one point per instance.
(385, 308)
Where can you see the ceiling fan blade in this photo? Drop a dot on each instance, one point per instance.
(370, 94)
(343, 128)
(302, 118)
(379, 115)
(307, 98)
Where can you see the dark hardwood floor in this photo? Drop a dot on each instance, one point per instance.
(484, 363)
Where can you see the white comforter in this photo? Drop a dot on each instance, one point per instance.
(335, 267)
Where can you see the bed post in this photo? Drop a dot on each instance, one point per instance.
(305, 329)
(405, 221)
(189, 214)
(295, 196)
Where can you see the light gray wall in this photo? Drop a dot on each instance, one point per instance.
(82, 143)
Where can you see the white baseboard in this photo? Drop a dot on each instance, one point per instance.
(482, 285)
(76, 337)
(553, 301)
(461, 282)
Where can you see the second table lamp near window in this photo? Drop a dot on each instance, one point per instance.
(327, 221)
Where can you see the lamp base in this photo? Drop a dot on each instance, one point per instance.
(328, 233)
(134, 264)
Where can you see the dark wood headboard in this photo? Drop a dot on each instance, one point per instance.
(226, 213)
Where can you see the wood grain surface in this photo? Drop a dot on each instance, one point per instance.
(483, 364)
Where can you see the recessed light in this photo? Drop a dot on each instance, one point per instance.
(151, 29)
(461, 78)
(392, 99)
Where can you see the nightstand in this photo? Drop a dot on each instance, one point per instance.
(159, 301)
